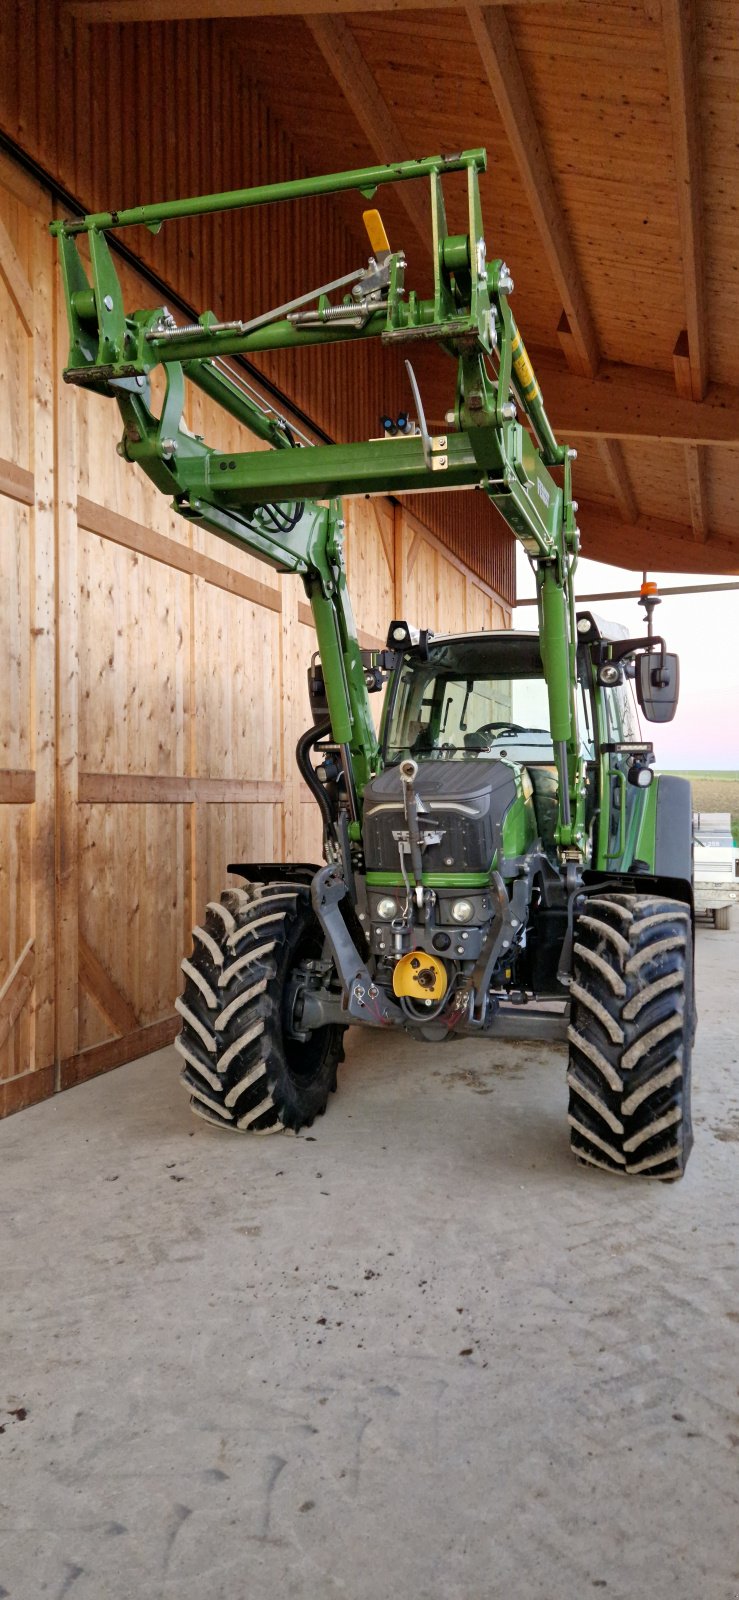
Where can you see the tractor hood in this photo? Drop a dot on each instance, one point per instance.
(466, 800)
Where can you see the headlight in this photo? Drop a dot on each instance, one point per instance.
(387, 909)
(463, 911)
(640, 776)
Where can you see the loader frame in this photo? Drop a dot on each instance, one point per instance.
(283, 504)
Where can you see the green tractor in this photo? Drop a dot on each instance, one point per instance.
(503, 859)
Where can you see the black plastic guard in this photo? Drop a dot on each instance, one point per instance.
(274, 871)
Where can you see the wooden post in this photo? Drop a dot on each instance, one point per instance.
(67, 724)
(43, 664)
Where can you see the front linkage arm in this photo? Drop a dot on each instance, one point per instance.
(269, 501)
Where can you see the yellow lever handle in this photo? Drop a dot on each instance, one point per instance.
(376, 230)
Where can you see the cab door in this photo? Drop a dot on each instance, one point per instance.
(622, 804)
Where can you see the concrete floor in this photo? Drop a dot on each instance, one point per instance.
(420, 1355)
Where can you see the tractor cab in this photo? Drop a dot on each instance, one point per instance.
(480, 701)
(474, 696)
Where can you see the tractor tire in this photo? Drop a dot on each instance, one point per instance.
(631, 1034)
(242, 1068)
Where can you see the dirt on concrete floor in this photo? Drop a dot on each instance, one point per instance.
(418, 1353)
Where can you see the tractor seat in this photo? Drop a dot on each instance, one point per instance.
(476, 742)
(545, 785)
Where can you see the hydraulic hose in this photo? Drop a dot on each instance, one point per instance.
(305, 743)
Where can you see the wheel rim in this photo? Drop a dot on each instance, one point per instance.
(303, 1057)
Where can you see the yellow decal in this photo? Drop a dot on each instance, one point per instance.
(523, 368)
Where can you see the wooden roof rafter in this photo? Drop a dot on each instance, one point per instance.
(690, 356)
(345, 61)
(499, 57)
(680, 35)
(628, 403)
(225, 10)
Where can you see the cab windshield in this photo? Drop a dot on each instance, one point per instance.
(482, 696)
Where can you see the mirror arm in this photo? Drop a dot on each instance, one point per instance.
(619, 648)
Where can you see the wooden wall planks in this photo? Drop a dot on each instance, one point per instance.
(108, 154)
(154, 689)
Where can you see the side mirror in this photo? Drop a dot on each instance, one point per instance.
(658, 686)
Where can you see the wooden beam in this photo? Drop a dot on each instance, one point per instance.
(612, 457)
(16, 483)
(146, 542)
(385, 529)
(368, 641)
(503, 68)
(344, 58)
(115, 1052)
(655, 541)
(411, 523)
(16, 1094)
(624, 403)
(111, 1002)
(17, 788)
(695, 460)
(681, 366)
(193, 10)
(398, 559)
(681, 50)
(142, 788)
(413, 553)
(16, 990)
(15, 279)
(695, 467)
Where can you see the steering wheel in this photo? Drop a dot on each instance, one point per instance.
(506, 727)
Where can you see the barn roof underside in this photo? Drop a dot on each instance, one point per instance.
(612, 191)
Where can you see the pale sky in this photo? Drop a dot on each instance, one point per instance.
(703, 629)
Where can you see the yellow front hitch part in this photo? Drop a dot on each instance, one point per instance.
(420, 977)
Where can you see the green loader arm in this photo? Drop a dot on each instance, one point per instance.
(282, 504)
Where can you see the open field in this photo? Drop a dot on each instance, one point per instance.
(716, 791)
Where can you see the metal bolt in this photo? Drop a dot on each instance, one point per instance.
(508, 411)
(450, 419)
(362, 916)
(169, 446)
(108, 302)
(572, 454)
